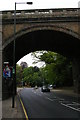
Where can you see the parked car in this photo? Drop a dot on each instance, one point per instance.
(45, 88)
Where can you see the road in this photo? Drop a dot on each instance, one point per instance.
(49, 104)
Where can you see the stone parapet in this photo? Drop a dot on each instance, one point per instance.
(41, 13)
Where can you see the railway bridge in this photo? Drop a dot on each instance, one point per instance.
(55, 30)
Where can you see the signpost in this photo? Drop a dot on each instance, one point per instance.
(6, 70)
(29, 3)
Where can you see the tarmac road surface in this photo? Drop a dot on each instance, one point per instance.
(49, 104)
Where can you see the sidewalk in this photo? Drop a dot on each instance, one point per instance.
(9, 112)
(66, 91)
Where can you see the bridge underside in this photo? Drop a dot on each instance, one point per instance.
(43, 40)
(50, 40)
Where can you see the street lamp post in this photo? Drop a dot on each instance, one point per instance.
(14, 65)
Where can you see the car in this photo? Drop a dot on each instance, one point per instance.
(50, 87)
(45, 89)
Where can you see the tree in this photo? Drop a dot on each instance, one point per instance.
(18, 74)
(32, 76)
(58, 68)
(24, 65)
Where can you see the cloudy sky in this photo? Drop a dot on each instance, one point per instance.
(29, 59)
(37, 4)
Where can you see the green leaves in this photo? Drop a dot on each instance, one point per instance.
(18, 73)
(31, 76)
(58, 70)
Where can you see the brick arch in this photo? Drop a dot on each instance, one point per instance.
(41, 27)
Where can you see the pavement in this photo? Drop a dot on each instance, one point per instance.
(0, 109)
(67, 91)
(17, 111)
(9, 112)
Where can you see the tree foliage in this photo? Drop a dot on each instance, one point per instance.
(32, 76)
(19, 73)
(58, 70)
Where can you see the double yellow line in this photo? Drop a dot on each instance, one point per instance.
(24, 110)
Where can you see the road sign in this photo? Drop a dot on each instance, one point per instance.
(6, 72)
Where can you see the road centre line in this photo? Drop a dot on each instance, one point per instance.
(33, 91)
(48, 98)
(36, 93)
(70, 107)
(39, 94)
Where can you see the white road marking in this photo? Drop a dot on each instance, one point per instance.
(70, 107)
(33, 91)
(66, 102)
(61, 100)
(49, 99)
(76, 103)
(36, 93)
(39, 94)
(58, 99)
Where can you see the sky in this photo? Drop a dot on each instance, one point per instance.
(37, 4)
(29, 60)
